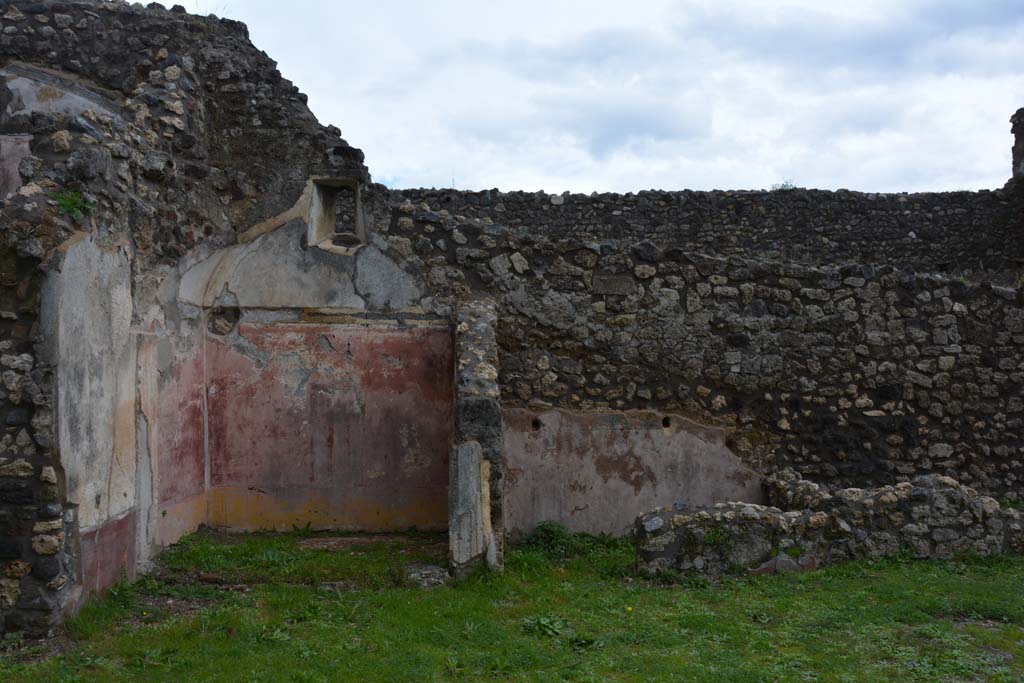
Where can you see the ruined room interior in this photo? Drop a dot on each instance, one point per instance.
(211, 315)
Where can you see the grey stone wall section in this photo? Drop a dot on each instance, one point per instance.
(37, 532)
(13, 149)
(95, 385)
(931, 517)
(475, 512)
(958, 234)
(859, 374)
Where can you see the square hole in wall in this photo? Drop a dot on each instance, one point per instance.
(336, 220)
(345, 228)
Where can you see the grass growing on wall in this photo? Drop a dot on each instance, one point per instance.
(72, 204)
(566, 609)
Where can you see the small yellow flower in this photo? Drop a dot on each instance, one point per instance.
(629, 609)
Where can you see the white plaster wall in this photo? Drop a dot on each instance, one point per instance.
(96, 421)
(274, 271)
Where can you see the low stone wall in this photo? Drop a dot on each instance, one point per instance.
(931, 517)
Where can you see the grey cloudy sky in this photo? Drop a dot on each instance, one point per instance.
(876, 95)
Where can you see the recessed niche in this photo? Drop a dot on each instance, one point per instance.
(345, 223)
(336, 216)
(222, 320)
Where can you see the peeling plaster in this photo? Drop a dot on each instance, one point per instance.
(596, 471)
(96, 379)
(383, 283)
(303, 277)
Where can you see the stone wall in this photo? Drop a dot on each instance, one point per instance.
(859, 374)
(930, 517)
(232, 141)
(957, 234)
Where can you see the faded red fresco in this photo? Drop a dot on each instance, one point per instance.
(338, 426)
(107, 552)
(180, 465)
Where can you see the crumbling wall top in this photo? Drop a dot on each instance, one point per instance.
(236, 123)
(1017, 127)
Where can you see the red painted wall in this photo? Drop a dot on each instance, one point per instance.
(108, 554)
(337, 426)
(180, 439)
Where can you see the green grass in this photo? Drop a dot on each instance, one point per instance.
(566, 609)
(279, 558)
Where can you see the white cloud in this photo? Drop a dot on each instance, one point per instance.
(600, 95)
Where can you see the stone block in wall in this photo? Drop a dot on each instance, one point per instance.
(13, 150)
(478, 419)
(734, 538)
(788, 491)
(617, 285)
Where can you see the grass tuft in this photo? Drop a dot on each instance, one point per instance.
(73, 204)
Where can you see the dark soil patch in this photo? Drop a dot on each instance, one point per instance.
(413, 544)
(30, 650)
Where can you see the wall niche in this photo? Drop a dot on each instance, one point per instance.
(336, 216)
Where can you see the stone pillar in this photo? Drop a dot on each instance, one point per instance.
(1017, 128)
(475, 484)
